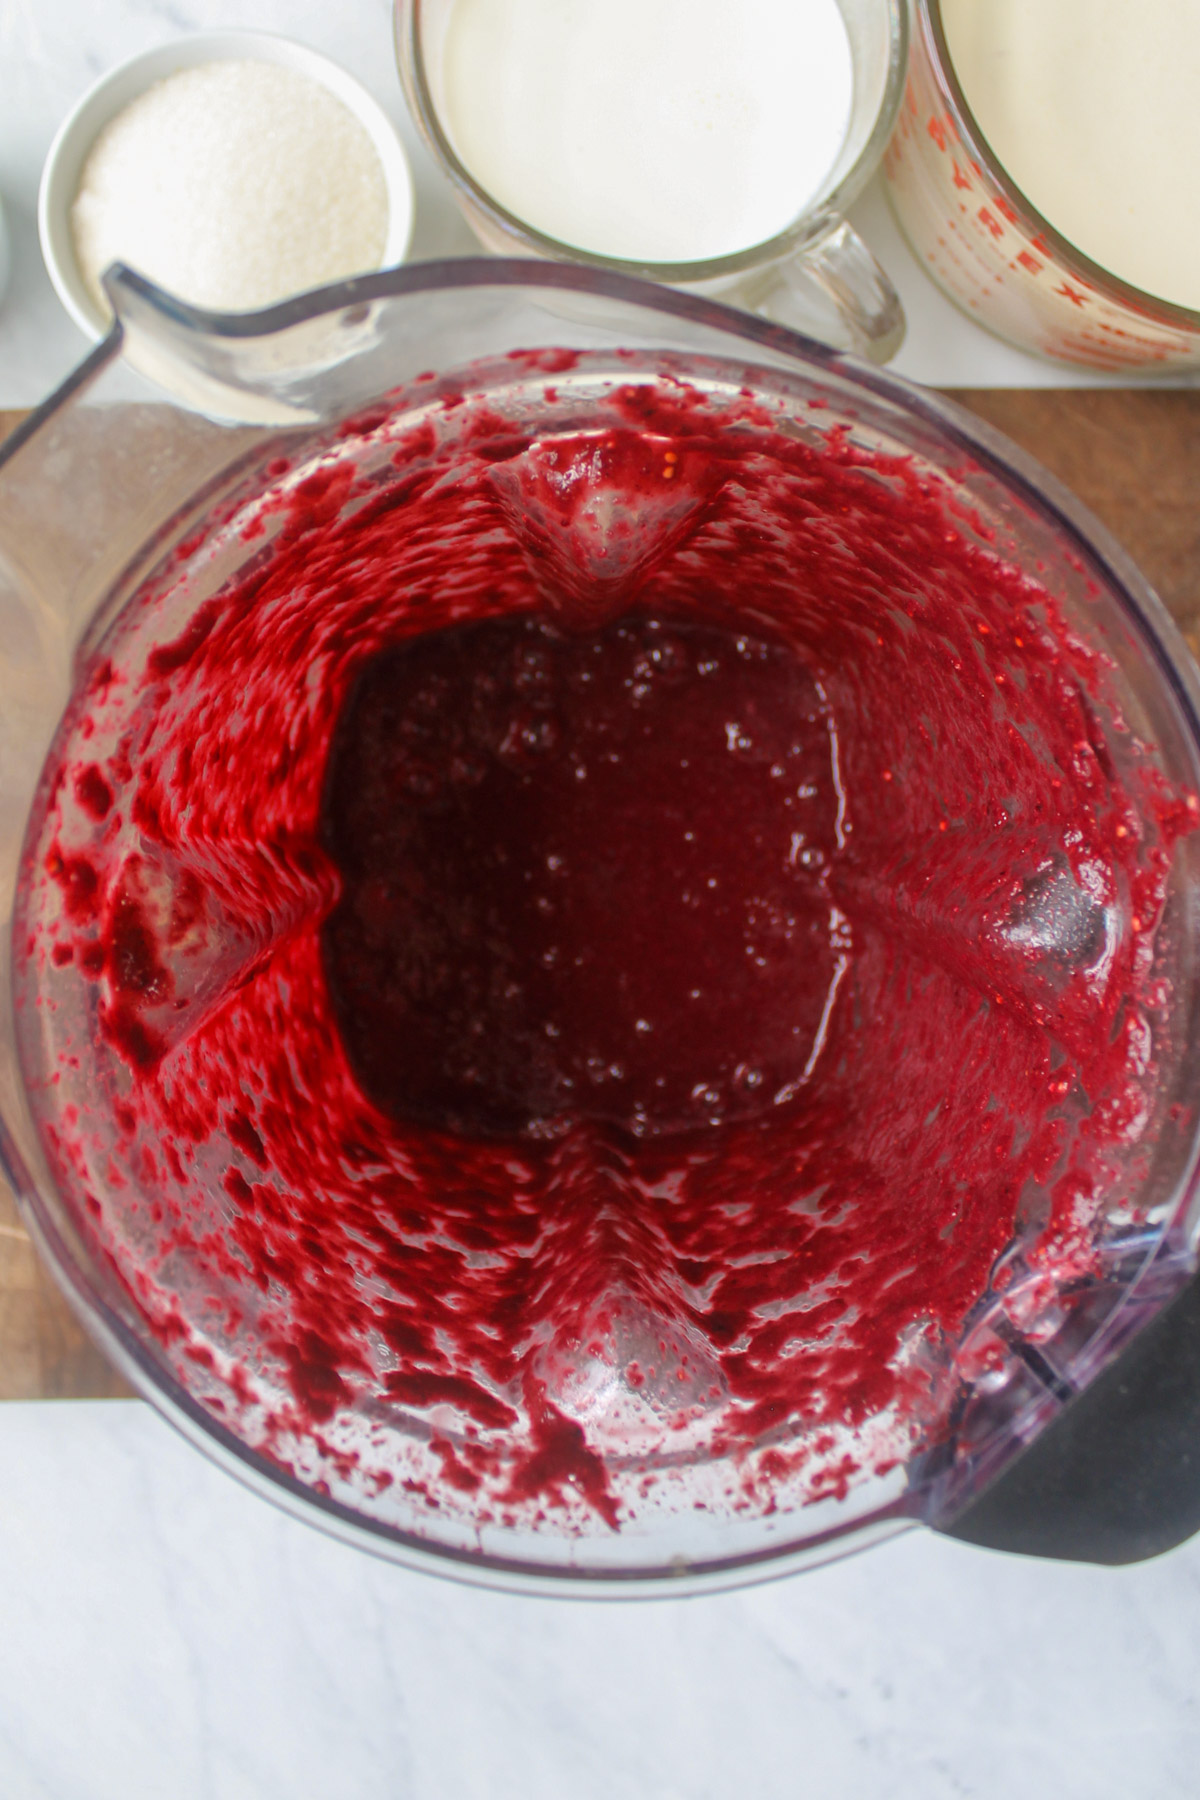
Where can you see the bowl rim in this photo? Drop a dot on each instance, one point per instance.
(128, 80)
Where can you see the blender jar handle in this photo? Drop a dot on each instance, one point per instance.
(1116, 1478)
(838, 280)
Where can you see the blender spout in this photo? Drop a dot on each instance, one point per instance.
(259, 368)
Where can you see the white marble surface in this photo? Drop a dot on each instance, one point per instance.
(168, 1636)
(52, 50)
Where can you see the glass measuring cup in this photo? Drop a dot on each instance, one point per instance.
(122, 518)
(816, 276)
(994, 254)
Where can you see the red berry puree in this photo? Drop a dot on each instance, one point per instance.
(556, 962)
(584, 878)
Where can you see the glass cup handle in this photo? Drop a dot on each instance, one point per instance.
(833, 290)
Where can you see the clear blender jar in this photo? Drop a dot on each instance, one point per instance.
(129, 521)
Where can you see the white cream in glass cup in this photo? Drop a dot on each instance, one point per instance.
(1038, 131)
(711, 148)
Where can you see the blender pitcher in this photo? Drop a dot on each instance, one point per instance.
(617, 1344)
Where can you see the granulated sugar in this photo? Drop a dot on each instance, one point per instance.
(233, 185)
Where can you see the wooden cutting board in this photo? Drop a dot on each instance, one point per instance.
(1133, 456)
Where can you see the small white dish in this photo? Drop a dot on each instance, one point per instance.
(113, 92)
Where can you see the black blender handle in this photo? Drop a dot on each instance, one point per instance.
(1116, 1478)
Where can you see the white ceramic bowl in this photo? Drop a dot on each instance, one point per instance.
(114, 91)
